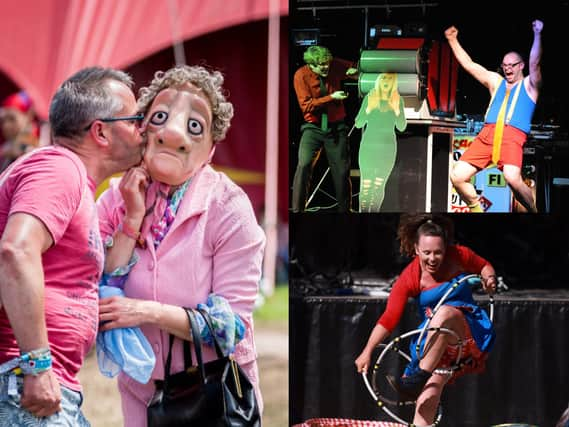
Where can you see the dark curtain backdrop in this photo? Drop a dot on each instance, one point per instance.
(529, 251)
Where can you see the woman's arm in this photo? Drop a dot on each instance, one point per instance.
(238, 243)
(404, 287)
(400, 120)
(133, 191)
(124, 312)
(474, 263)
(361, 118)
(378, 334)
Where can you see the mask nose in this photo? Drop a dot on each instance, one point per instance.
(173, 134)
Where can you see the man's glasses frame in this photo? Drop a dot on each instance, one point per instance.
(504, 66)
(137, 117)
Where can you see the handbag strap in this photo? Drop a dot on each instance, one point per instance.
(194, 330)
(187, 354)
(207, 319)
(197, 341)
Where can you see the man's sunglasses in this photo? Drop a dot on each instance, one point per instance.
(138, 118)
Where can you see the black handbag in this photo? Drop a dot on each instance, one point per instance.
(212, 394)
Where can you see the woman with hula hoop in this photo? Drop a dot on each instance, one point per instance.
(436, 265)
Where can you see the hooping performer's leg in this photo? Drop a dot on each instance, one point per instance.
(436, 343)
(428, 401)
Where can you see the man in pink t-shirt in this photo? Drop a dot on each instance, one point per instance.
(51, 255)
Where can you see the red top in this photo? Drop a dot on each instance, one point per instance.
(409, 282)
(307, 88)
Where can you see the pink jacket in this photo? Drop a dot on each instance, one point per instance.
(214, 245)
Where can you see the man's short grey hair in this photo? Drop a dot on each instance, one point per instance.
(84, 97)
(210, 82)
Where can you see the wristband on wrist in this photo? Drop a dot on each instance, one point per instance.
(35, 361)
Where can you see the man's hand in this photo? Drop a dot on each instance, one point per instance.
(351, 71)
(537, 26)
(451, 33)
(339, 95)
(41, 395)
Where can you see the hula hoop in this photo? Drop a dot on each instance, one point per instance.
(383, 402)
(426, 327)
(393, 345)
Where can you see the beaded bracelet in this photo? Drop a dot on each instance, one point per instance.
(129, 231)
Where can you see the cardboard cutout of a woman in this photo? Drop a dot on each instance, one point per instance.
(382, 111)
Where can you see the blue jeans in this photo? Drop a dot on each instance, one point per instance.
(11, 414)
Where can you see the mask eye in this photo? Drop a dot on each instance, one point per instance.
(195, 127)
(159, 117)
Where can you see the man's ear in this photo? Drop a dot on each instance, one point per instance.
(99, 133)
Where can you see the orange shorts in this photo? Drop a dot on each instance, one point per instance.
(479, 154)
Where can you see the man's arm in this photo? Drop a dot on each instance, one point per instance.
(535, 57)
(487, 78)
(24, 240)
(21, 279)
(307, 103)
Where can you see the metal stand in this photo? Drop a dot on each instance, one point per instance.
(317, 188)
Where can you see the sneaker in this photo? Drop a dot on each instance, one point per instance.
(409, 387)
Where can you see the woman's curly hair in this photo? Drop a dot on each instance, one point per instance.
(412, 226)
(210, 82)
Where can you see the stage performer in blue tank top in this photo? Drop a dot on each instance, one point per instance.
(507, 121)
(437, 264)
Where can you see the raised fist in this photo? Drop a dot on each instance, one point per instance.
(451, 33)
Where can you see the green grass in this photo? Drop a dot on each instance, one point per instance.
(275, 308)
